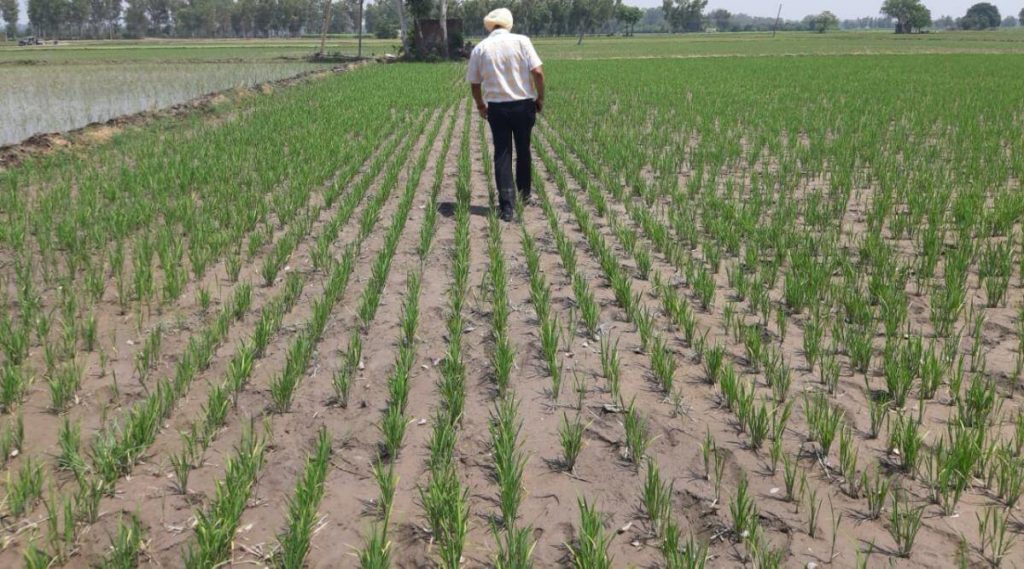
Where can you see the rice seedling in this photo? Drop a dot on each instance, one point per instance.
(63, 385)
(89, 332)
(590, 550)
(126, 546)
(704, 287)
(302, 507)
(904, 523)
(848, 463)
(663, 365)
(1009, 477)
(60, 526)
(713, 363)
(637, 437)
(393, 427)
(743, 512)
(610, 366)
(644, 325)
(995, 266)
(813, 334)
(813, 509)
(906, 442)
(509, 459)
(978, 403)
(753, 343)
(11, 437)
(14, 384)
(342, 379)
(656, 498)
(35, 558)
(514, 548)
(779, 378)
(376, 553)
(708, 451)
(69, 439)
(24, 488)
(550, 336)
(692, 554)
(570, 435)
(996, 542)
(215, 527)
(830, 372)
(823, 421)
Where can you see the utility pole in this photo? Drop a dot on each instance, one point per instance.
(777, 18)
(360, 52)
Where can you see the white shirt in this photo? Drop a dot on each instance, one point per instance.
(501, 63)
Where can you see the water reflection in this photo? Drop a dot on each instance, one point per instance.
(55, 98)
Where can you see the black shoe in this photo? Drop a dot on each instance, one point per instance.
(527, 199)
(507, 215)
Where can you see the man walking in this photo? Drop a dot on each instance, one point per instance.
(507, 82)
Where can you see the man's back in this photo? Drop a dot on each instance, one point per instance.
(501, 63)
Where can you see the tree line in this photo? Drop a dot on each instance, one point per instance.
(386, 18)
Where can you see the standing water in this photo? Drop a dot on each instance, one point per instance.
(38, 99)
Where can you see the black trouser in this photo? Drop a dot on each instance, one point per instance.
(510, 122)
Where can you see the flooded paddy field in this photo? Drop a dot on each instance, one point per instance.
(44, 98)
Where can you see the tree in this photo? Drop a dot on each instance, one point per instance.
(720, 19)
(981, 16)
(136, 19)
(628, 15)
(920, 19)
(9, 10)
(1009, 22)
(907, 13)
(419, 10)
(382, 19)
(402, 26)
(944, 23)
(98, 16)
(159, 12)
(1020, 16)
(290, 16)
(46, 16)
(822, 22)
(684, 15)
(589, 14)
(76, 14)
(444, 28)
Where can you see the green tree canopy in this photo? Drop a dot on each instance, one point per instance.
(981, 16)
(9, 10)
(720, 19)
(629, 15)
(822, 22)
(684, 15)
(910, 15)
(589, 14)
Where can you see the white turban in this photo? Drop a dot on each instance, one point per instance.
(500, 18)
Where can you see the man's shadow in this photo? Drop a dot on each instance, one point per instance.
(447, 209)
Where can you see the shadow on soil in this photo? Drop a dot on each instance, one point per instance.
(447, 209)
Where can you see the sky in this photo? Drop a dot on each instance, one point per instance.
(797, 9)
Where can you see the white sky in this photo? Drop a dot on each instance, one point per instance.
(797, 9)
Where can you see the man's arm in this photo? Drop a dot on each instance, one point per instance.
(538, 82)
(478, 96)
